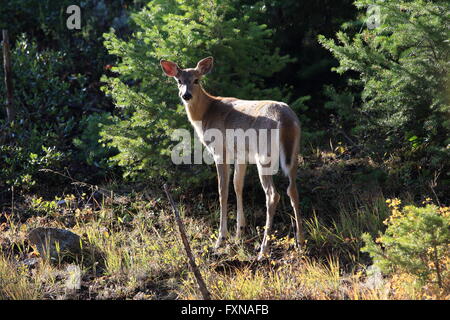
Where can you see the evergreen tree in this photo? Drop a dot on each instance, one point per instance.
(183, 31)
(402, 67)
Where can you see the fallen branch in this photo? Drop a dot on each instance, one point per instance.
(201, 284)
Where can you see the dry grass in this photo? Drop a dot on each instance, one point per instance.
(15, 283)
(131, 250)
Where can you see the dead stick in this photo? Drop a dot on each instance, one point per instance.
(10, 112)
(201, 284)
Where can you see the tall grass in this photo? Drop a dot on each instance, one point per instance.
(133, 250)
(342, 233)
(15, 283)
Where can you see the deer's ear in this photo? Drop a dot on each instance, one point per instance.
(205, 65)
(170, 68)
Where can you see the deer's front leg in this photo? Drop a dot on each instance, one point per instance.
(239, 175)
(223, 177)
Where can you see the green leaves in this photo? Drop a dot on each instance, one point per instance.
(48, 106)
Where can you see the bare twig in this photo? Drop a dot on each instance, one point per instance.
(438, 268)
(201, 284)
(10, 112)
(433, 184)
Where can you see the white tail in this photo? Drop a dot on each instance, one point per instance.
(207, 112)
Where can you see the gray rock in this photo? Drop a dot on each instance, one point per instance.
(30, 262)
(54, 243)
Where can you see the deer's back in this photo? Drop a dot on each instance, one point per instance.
(232, 113)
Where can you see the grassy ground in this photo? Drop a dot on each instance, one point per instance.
(132, 249)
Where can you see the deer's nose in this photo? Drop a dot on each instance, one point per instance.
(187, 96)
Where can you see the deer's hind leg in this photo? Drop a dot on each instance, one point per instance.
(293, 195)
(290, 138)
(272, 198)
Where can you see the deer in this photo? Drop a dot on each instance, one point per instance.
(206, 112)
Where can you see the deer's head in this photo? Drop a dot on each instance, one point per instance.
(188, 79)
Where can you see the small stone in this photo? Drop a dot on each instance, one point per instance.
(54, 243)
(30, 262)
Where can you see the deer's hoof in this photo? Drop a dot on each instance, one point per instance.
(220, 241)
(262, 257)
(300, 243)
(263, 254)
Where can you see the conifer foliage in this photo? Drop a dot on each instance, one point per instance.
(402, 74)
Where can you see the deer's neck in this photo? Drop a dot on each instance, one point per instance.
(198, 106)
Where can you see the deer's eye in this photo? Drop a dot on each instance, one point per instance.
(196, 81)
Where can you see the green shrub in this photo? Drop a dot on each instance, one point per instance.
(416, 242)
(47, 111)
(19, 166)
(56, 88)
(87, 144)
